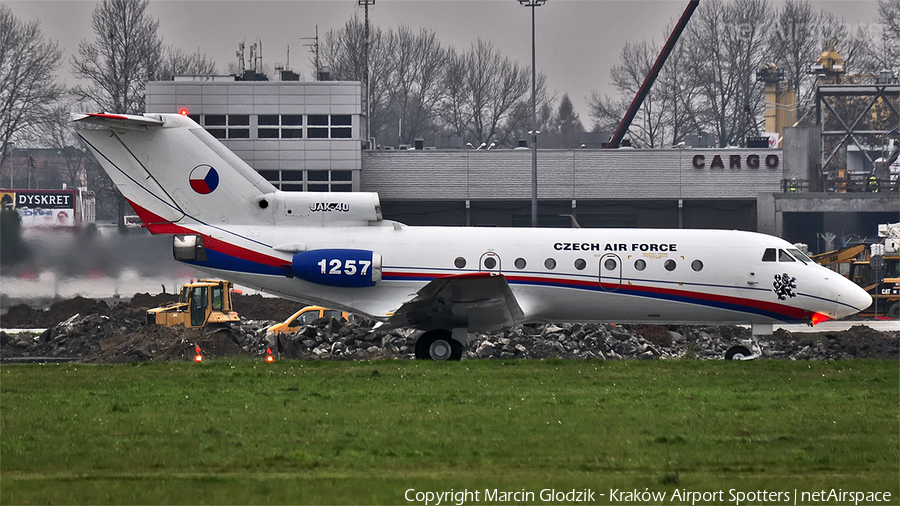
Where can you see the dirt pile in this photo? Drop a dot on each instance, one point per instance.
(94, 331)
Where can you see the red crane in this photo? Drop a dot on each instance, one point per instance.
(651, 76)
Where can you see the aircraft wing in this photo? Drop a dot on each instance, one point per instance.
(478, 301)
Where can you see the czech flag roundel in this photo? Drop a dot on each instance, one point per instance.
(204, 179)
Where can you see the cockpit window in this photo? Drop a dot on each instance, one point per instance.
(799, 255)
(769, 255)
(783, 256)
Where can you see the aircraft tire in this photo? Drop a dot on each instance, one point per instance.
(737, 353)
(893, 312)
(437, 345)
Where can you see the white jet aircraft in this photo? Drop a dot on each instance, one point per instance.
(336, 250)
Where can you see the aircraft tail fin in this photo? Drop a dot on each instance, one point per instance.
(172, 171)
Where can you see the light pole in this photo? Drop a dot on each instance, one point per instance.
(534, 132)
(366, 4)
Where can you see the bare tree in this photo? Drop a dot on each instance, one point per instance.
(635, 62)
(496, 89)
(60, 135)
(176, 62)
(796, 43)
(666, 113)
(454, 112)
(883, 50)
(417, 87)
(125, 55)
(415, 81)
(728, 45)
(889, 16)
(28, 85)
(343, 51)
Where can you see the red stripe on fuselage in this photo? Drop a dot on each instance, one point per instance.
(157, 224)
(249, 255)
(686, 296)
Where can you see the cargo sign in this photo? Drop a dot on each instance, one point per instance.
(735, 161)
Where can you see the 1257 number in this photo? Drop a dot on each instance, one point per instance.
(337, 267)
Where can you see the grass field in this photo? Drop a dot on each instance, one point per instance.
(369, 432)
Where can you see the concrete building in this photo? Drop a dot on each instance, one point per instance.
(311, 136)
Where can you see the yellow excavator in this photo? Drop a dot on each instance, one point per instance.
(877, 274)
(204, 304)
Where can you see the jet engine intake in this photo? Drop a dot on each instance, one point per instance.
(188, 247)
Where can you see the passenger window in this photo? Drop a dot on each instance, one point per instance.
(580, 264)
(520, 263)
(610, 264)
(670, 265)
(550, 264)
(769, 255)
(640, 264)
(784, 257)
(460, 262)
(697, 265)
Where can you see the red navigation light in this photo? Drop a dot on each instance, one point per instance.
(183, 112)
(199, 356)
(269, 357)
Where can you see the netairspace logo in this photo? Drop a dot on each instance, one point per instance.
(634, 496)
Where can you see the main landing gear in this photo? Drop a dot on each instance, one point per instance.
(438, 345)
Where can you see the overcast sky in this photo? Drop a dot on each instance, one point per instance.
(577, 40)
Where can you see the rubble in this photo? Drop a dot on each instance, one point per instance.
(93, 331)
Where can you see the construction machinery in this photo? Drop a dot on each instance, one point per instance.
(306, 316)
(204, 304)
(874, 267)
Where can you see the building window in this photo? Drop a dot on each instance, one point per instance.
(329, 180)
(284, 126)
(324, 126)
(231, 126)
(310, 180)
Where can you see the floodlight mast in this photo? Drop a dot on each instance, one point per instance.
(534, 131)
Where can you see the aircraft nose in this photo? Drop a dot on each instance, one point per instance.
(851, 299)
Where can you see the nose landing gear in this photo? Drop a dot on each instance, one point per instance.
(749, 348)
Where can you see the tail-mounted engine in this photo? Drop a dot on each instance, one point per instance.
(320, 209)
(188, 247)
(352, 268)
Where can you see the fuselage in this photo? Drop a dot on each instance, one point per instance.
(559, 275)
